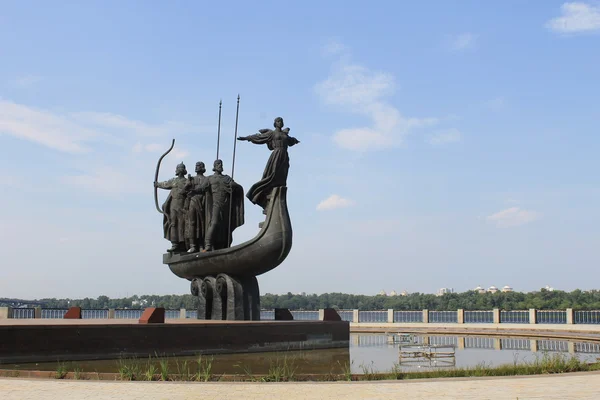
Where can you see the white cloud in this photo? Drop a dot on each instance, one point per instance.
(119, 122)
(359, 90)
(445, 136)
(75, 132)
(334, 201)
(58, 132)
(576, 17)
(462, 41)
(513, 216)
(150, 147)
(107, 181)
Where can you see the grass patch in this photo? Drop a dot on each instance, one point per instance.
(77, 373)
(204, 369)
(545, 364)
(281, 370)
(164, 369)
(61, 371)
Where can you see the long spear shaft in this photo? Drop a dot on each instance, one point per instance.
(219, 130)
(237, 112)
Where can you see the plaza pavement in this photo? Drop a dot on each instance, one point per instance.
(564, 386)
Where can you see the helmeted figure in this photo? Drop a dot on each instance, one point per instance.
(197, 212)
(174, 208)
(225, 205)
(276, 170)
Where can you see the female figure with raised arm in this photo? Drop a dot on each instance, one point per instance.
(276, 171)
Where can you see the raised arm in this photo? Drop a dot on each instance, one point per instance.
(260, 138)
(164, 185)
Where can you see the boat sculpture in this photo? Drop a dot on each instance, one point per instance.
(224, 279)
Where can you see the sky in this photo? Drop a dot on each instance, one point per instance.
(442, 144)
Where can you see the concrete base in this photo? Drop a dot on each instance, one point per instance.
(70, 340)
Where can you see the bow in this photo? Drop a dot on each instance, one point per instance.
(156, 176)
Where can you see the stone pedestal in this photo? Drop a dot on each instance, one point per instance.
(225, 297)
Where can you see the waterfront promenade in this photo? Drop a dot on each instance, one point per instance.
(564, 386)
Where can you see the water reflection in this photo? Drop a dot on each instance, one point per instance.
(332, 361)
(409, 352)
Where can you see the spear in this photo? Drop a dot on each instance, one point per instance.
(219, 129)
(237, 112)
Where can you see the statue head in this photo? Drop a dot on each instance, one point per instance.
(278, 123)
(218, 166)
(200, 168)
(180, 170)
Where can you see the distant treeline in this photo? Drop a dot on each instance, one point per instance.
(471, 300)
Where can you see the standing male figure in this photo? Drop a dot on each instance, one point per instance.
(174, 208)
(196, 222)
(224, 198)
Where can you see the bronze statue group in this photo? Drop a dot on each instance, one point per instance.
(201, 212)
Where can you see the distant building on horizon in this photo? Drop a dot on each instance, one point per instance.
(479, 289)
(493, 289)
(443, 291)
(382, 293)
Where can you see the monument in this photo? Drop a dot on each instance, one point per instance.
(200, 215)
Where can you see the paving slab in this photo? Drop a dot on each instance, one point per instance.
(581, 386)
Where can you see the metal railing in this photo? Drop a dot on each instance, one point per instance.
(128, 313)
(481, 317)
(443, 317)
(53, 312)
(23, 313)
(372, 316)
(94, 314)
(305, 315)
(172, 314)
(267, 314)
(587, 317)
(408, 316)
(514, 317)
(346, 315)
(551, 317)
(364, 316)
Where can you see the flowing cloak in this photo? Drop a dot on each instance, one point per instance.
(173, 209)
(278, 165)
(197, 213)
(220, 203)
